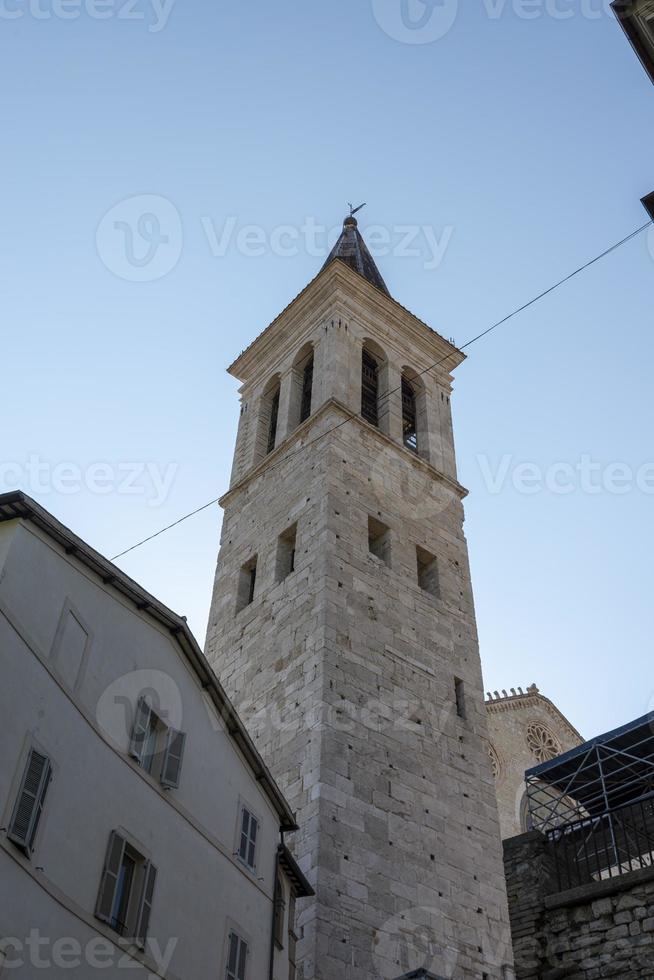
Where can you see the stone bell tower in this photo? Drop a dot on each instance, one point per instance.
(343, 628)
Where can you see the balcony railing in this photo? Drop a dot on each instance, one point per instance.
(606, 846)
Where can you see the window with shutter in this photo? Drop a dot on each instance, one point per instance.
(126, 890)
(141, 730)
(236, 958)
(248, 842)
(145, 910)
(172, 759)
(104, 908)
(30, 801)
(156, 748)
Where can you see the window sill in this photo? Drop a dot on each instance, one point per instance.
(246, 866)
(378, 561)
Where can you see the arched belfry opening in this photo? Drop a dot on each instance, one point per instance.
(307, 389)
(409, 415)
(373, 382)
(301, 400)
(369, 387)
(268, 422)
(414, 413)
(274, 418)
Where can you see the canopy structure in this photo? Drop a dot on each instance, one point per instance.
(597, 777)
(596, 803)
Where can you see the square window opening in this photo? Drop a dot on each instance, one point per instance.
(379, 540)
(428, 579)
(285, 561)
(247, 579)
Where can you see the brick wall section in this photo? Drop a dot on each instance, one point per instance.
(603, 929)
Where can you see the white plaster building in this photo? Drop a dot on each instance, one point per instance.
(140, 829)
(343, 626)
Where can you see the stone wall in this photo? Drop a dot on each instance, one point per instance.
(359, 681)
(524, 730)
(603, 929)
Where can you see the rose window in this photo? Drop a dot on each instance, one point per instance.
(542, 742)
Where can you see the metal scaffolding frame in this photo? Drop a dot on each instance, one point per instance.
(595, 804)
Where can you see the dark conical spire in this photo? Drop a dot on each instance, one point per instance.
(352, 249)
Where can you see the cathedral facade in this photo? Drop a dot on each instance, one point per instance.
(525, 728)
(343, 629)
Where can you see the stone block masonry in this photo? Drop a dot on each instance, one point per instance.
(355, 663)
(602, 929)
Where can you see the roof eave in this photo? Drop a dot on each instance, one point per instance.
(301, 886)
(17, 505)
(336, 270)
(521, 700)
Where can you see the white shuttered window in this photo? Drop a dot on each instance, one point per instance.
(126, 890)
(30, 800)
(157, 749)
(247, 850)
(236, 958)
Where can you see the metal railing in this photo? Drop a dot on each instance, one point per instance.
(606, 846)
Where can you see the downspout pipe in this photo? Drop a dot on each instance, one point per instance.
(271, 967)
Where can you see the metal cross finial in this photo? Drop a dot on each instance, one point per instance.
(353, 210)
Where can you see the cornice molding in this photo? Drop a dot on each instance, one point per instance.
(314, 300)
(298, 434)
(519, 701)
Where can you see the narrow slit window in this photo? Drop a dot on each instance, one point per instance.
(409, 416)
(428, 572)
(460, 697)
(272, 425)
(369, 388)
(247, 580)
(379, 540)
(285, 563)
(307, 390)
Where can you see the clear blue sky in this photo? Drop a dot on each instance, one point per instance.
(529, 141)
